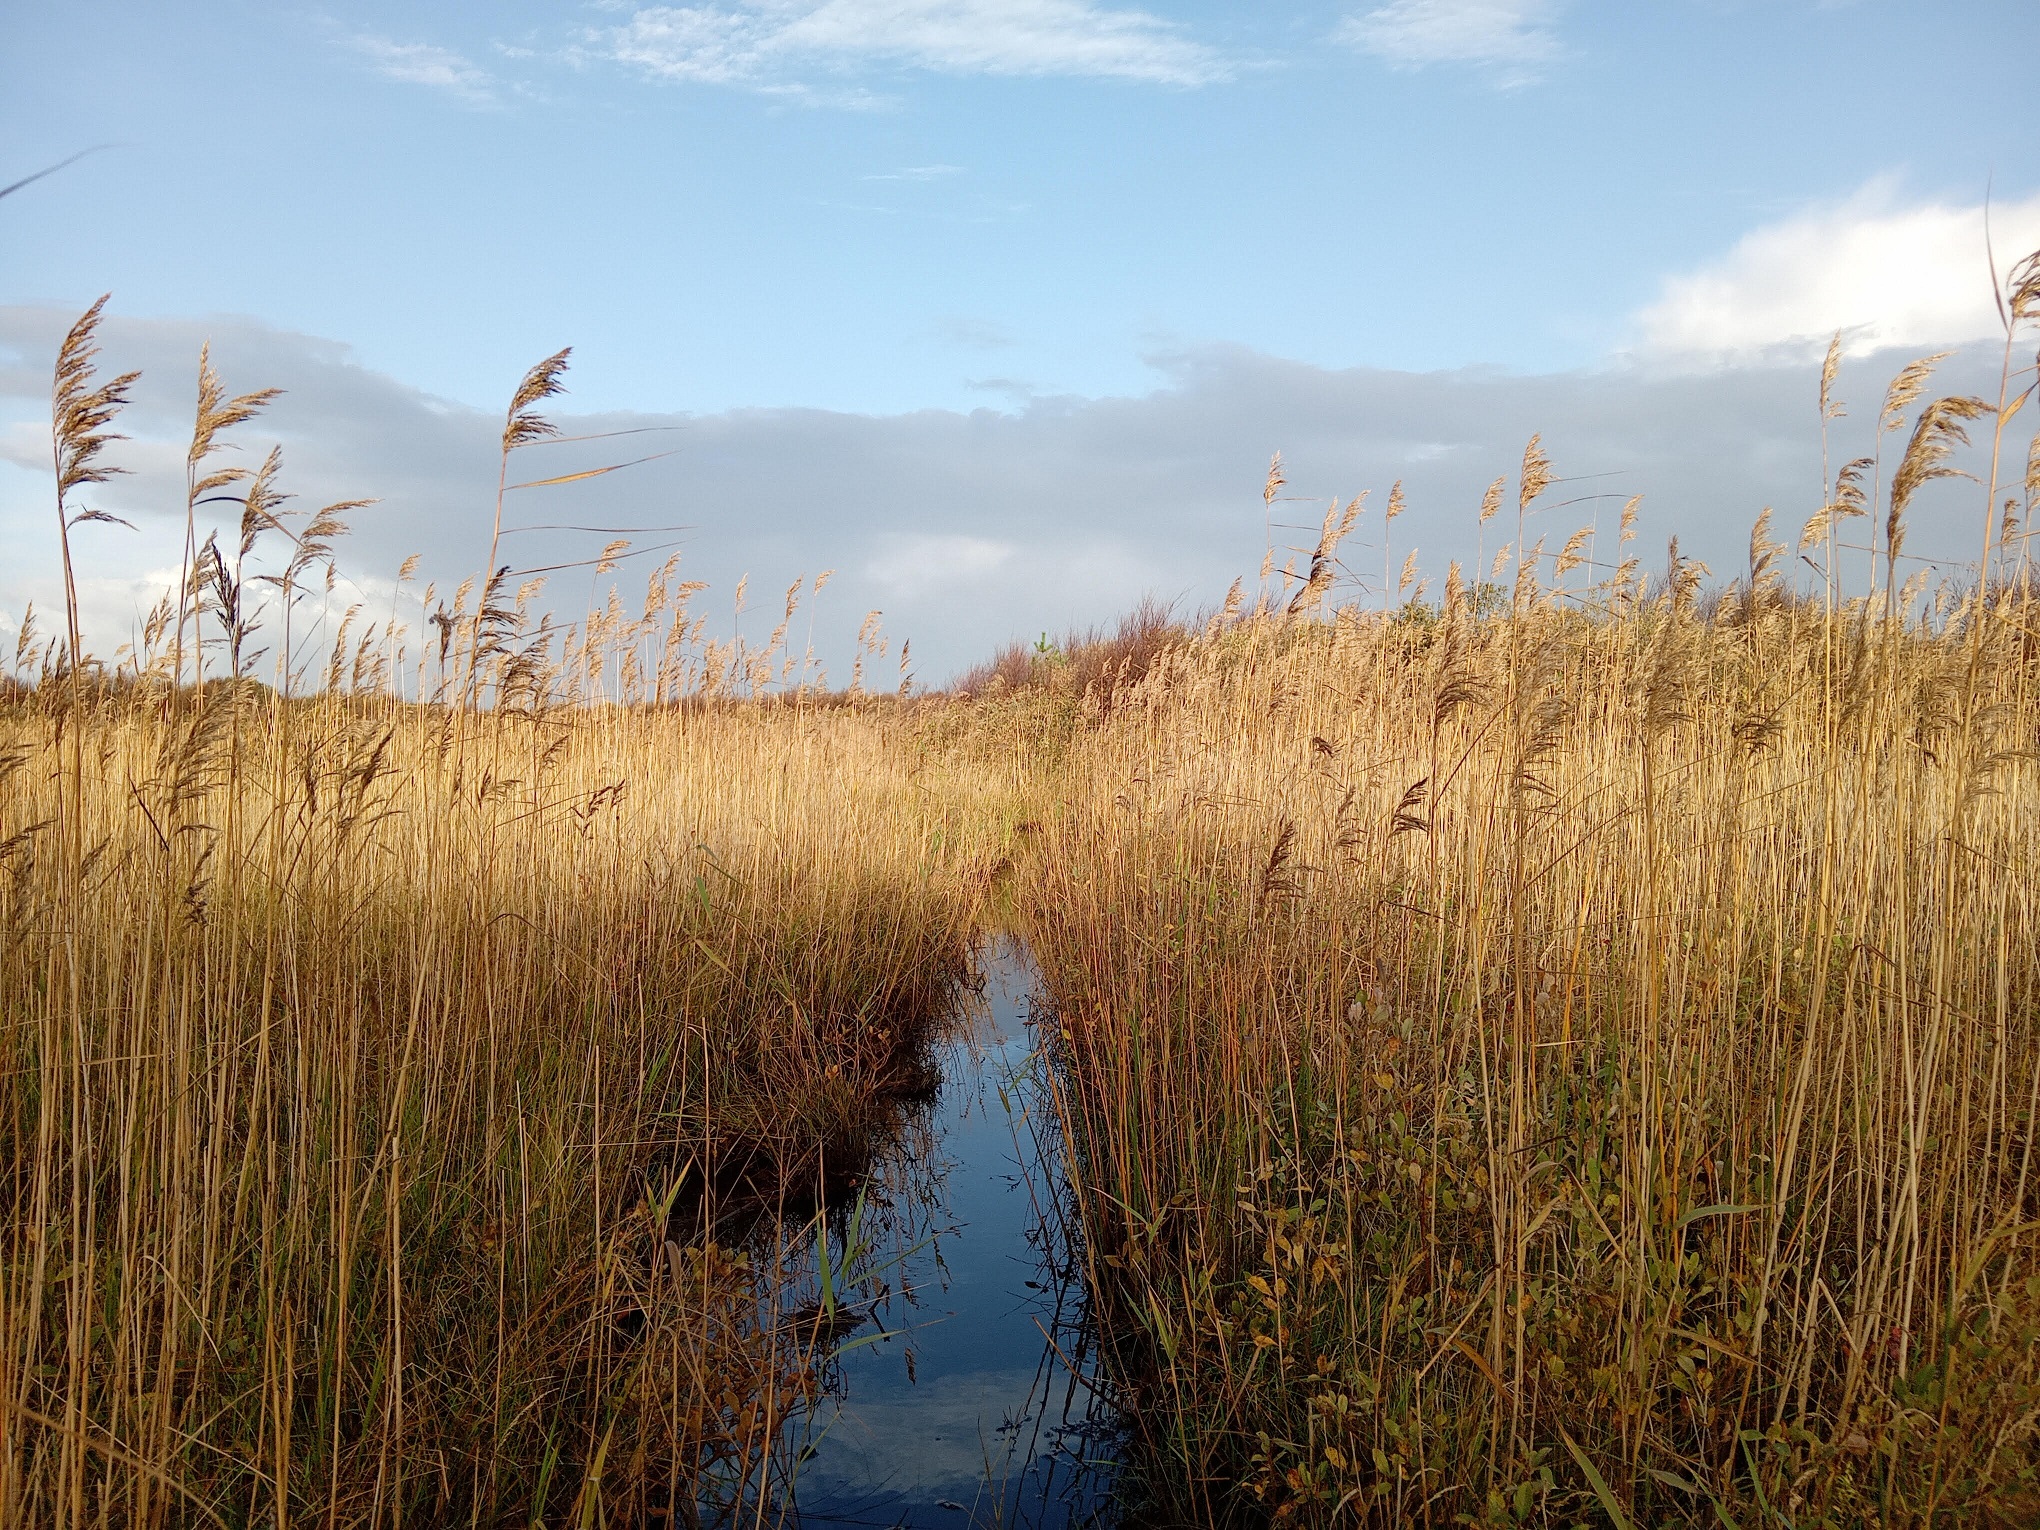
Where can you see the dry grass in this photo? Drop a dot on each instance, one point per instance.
(1564, 1057)
(1578, 1066)
(347, 1060)
(1100, 661)
(377, 1073)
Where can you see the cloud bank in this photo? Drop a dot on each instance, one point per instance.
(966, 529)
(970, 529)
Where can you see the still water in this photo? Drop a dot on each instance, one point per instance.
(960, 1390)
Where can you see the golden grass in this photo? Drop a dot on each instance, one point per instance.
(377, 1073)
(347, 1060)
(1504, 1049)
(1564, 1057)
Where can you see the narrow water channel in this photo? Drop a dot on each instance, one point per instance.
(960, 1389)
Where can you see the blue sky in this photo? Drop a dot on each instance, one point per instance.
(878, 208)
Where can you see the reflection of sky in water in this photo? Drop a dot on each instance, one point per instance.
(985, 1425)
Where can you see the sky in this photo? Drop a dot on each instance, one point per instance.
(999, 307)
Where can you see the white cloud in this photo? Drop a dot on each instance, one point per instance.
(917, 565)
(762, 43)
(1513, 38)
(425, 64)
(1884, 274)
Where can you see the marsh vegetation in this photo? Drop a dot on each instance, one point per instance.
(1562, 1053)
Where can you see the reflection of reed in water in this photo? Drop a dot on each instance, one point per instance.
(732, 1264)
(811, 1237)
(1072, 1436)
(875, 1271)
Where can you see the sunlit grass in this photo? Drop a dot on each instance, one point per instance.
(1562, 1055)
(1588, 1036)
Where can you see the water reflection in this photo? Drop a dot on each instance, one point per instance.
(955, 1361)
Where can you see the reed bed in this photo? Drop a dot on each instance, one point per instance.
(1562, 1056)
(1574, 1066)
(380, 1073)
(357, 1072)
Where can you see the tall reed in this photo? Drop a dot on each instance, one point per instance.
(1578, 1064)
(371, 1066)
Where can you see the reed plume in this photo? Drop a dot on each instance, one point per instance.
(80, 416)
